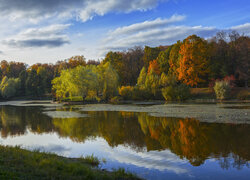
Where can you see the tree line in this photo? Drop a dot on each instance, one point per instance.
(149, 73)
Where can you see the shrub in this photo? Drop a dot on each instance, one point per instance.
(126, 92)
(243, 95)
(222, 89)
(176, 93)
(115, 99)
(141, 93)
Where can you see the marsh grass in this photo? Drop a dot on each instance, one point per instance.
(16, 163)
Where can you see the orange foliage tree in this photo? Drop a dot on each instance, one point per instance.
(193, 61)
(153, 65)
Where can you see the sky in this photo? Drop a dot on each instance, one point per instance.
(46, 31)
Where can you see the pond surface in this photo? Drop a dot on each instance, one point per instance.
(152, 147)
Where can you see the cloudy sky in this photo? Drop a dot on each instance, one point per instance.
(45, 31)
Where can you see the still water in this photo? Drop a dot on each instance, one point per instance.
(151, 147)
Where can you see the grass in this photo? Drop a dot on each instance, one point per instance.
(239, 93)
(18, 164)
(73, 99)
(202, 93)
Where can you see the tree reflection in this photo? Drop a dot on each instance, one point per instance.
(188, 138)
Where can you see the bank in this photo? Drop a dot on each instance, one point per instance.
(17, 163)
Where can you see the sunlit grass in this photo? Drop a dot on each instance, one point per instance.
(16, 163)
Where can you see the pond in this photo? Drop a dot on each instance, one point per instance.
(146, 140)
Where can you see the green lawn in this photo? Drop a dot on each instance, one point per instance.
(16, 163)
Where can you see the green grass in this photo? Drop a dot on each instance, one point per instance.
(73, 99)
(202, 93)
(16, 163)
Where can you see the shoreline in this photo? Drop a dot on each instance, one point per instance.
(17, 163)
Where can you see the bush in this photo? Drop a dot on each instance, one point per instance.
(141, 93)
(115, 99)
(176, 93)
(243, 95)
(222, 89)
(126, 92)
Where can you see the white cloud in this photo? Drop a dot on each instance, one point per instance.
(50, 36)
(244, 29)
(158, 32)
(35, 11)
(144, 26)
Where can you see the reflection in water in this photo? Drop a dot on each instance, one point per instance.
(160, 137)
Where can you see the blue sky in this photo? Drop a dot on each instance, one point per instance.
(49, 30)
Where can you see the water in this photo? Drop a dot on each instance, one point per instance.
(152, 147)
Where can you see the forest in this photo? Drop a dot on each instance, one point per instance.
(171, 72)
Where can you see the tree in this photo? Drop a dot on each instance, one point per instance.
(163, 60)
(115, 60)
(63, 85)
(142, 77)
(153, 66)
(132, 64)
(150, 54)
(110, 81)
(243, 59)
(193, 62)
(174, 58)
(22, 76)
(75, 61)
(84, 79)
(9, 87)
(152, 83)
(218, 52)
(31, 84)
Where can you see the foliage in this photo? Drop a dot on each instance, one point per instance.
(193, 62)
(244, 95)
(142, 77)
(176, 93)
(152, 83)
(126, 92)
(174, 58)
(150, 54)
(222, 89)
(87, 81)
(153, 66)
(109, 81)
(168, 80)
(163, 60)
(9, 87)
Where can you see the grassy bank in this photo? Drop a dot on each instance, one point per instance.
(16, 163)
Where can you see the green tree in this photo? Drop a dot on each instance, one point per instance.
(150, 54)
(142, 77)
(9, 87)
(110, 81)
(163, 60)
(152, 83)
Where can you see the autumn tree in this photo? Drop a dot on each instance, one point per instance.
(154, 66)
(193, 62)
(142, 77)
(163, 60)
(218, 56)
(174, 58)
(9, 87)
(109, 81)
(243, 59)
(115, 60)
(132, 65)
(150, 53)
